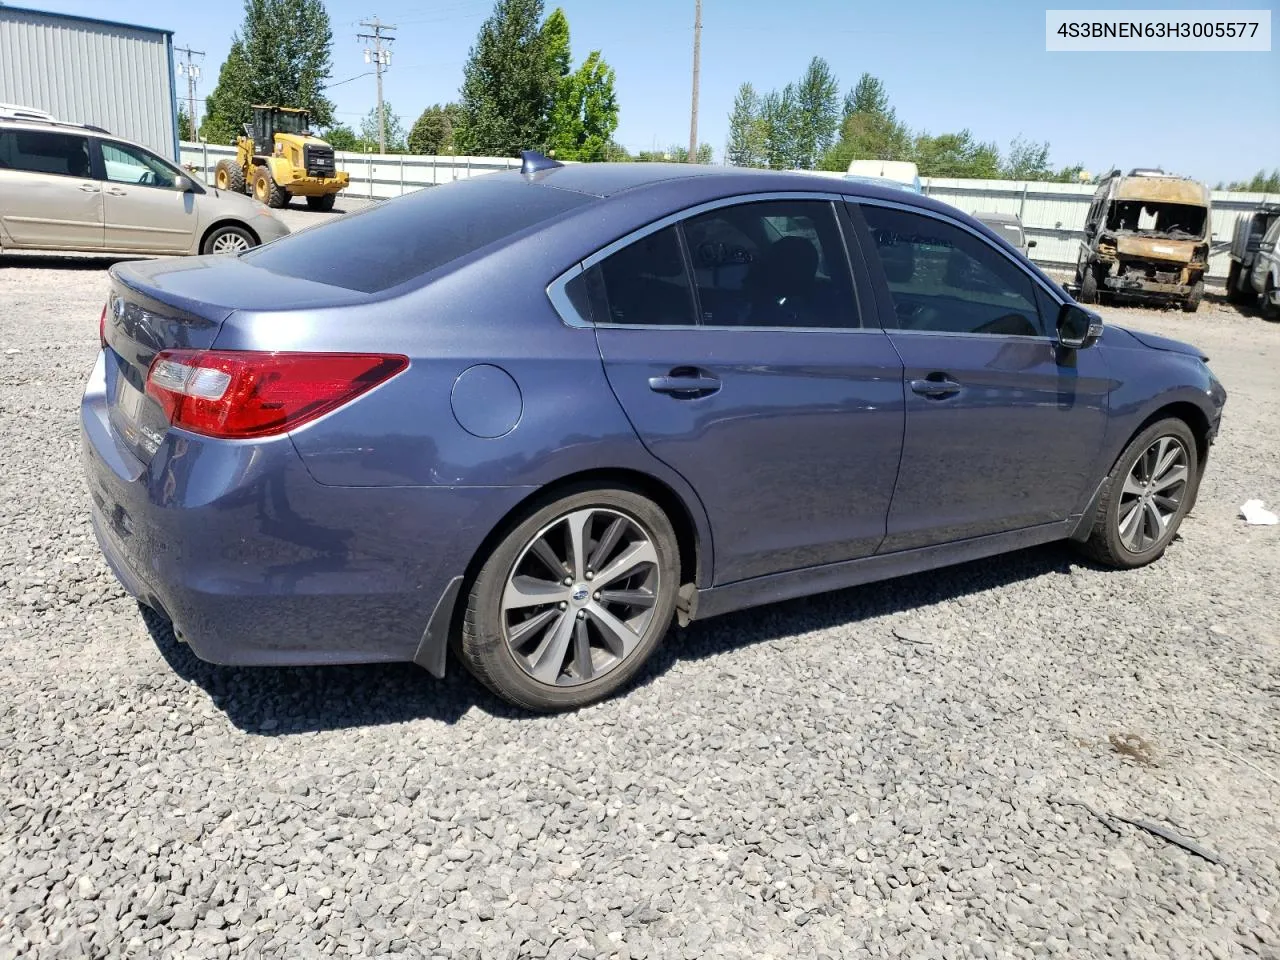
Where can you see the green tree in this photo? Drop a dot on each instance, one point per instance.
(868, 96)
(816, 116)
(341, 137)
(1027, 160)
(1260, 183)
(585, 114)
(870, 129)
(746, 136)
(393, 128)
(778, 122)
(184, 124)
(555, 37)
(956, 155)
(509, 83)
(280, 55)
(432, 132)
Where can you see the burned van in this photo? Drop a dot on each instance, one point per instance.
(1146, 238)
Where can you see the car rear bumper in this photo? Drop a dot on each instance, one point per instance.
(257, 563)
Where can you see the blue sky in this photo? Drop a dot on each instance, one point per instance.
(946, 65)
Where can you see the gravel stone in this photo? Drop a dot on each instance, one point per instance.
(894, 770)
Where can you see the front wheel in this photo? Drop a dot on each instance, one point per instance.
(266, 190)
(1149, 491)
(228, 175)
(1270, 310)
(573, 600)
(228, 239)
(1235, 289)
(1192, 303)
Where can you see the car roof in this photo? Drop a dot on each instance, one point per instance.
(606, 180)
(56, 126)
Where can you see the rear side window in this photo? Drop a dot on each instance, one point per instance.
(41, 151)
(643, 283)
(394, 242)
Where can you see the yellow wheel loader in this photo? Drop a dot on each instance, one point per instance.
(278, 159)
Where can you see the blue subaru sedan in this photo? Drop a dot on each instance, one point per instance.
(535, 416)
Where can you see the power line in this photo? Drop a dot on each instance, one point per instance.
(191, 70)
(380, 57)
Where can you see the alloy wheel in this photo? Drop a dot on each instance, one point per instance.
(1152, 494)
(230, 243)
(580, 596)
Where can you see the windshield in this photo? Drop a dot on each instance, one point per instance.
(291, 122)
(392, 243)
(1151, 218)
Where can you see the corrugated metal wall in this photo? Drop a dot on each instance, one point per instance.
(87, 71)
(1054, 214)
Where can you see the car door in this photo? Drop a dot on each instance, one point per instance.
(735, 343)
(144, 209)
(51, 200)
(1003, 426)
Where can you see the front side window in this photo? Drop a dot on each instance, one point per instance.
(41, 151)
(125, 164)
(773, 263)
(945, 279)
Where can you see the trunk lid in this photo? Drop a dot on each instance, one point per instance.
(157, 305)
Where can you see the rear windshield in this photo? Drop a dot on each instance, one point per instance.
(394, 242)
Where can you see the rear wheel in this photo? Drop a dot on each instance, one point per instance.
(573, 601)
(1149, 490)
(1192, 303)
(228, 176)
(228, 239)
(266, 190)
(323, 203)
(1089, 286)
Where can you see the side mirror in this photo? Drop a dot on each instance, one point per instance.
(1077, 327)
(1030, 244)
(184, 185)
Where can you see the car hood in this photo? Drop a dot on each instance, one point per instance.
(1157, 342)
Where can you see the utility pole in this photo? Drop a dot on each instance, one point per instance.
(697, 68)
(380, 57)
(191, 70)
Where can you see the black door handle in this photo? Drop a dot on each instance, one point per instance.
(685, 383)
(936, 385)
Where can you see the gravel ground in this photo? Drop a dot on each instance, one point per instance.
(931, 767)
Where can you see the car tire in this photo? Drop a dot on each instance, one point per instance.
(266, 190)
(228, 176)
(1235, 293)
(1269, 310)
(548, 643)
(322, 203)
(1089, 286)
(1192, 303)
(228, 238)
(1135, 522)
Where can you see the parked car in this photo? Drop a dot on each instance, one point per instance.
(593, 397)
(901, 172)
(1264, 275)
(66, 186)
(1009, 226)
(1146, 238)
(1249, 230)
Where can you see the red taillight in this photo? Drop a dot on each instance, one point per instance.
(102, 328)
(238, 394)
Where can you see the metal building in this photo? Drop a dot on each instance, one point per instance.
(113, 75)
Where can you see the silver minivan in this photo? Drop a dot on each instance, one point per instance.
(66, 186)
